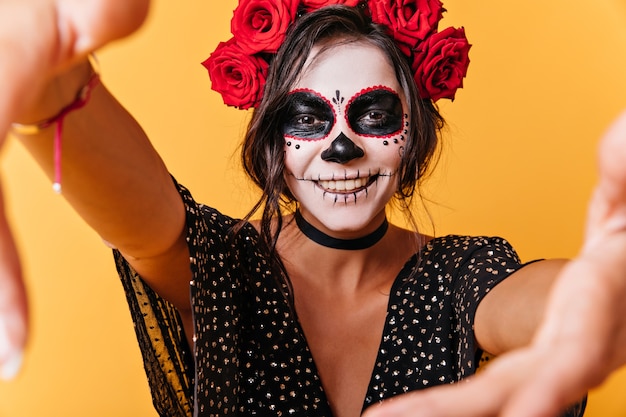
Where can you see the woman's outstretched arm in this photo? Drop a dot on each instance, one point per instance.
(581, 338)
(111, 174)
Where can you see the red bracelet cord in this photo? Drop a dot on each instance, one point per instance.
(82, 98)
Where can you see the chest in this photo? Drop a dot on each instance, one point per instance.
(380, 346)
(333, 360)
(334, 357)
(344, 337)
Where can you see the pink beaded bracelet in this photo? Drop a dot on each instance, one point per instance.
(81, 99)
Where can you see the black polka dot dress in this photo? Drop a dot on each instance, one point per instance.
(251, 357)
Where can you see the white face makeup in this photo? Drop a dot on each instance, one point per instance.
(344, 136)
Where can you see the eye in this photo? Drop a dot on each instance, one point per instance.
(374, 119)
(308, 116)
(376, 113)
(306, 126)
(307, 120)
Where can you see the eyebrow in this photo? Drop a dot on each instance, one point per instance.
(373, 93)
(309, 97)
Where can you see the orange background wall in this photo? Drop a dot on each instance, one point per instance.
(546, 79)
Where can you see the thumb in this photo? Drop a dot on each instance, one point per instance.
(88, 25)
(13, 304)
(607, 209)
(612, 161)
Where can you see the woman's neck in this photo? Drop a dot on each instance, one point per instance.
(348, 270)
(323, 239)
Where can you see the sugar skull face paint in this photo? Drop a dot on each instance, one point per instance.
(375, 112)
(344, 130)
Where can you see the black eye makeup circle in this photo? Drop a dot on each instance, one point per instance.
(308, 116)
(377, 112)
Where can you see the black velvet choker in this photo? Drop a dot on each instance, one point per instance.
(323, 239)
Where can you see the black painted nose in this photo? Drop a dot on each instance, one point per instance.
(342, 150)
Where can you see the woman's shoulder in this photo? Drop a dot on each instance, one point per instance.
(458, 243)
(459, 254)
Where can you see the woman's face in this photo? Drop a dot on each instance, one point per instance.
(344, 137)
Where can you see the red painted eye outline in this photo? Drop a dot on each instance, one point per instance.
(394, 114)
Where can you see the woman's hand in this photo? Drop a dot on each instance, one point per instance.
(582, 338)
(38, 40)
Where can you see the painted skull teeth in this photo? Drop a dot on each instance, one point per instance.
(346, 186)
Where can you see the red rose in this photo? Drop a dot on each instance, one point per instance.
(261, 25)
(409, 21)
(318, 4)
(439, 68)
(237, 76)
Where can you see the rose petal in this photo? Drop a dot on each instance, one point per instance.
(261, 25)
(442, 64)
(318, 4)
(409, 21)
(236, 75)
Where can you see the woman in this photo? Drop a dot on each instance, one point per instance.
(314, 134)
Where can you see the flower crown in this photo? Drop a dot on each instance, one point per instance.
(238, 68)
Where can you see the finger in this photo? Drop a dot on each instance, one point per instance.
(607, 211)
(460, 400)
(13, 305)
(479, 396)
(92, 24)
(612, 160)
